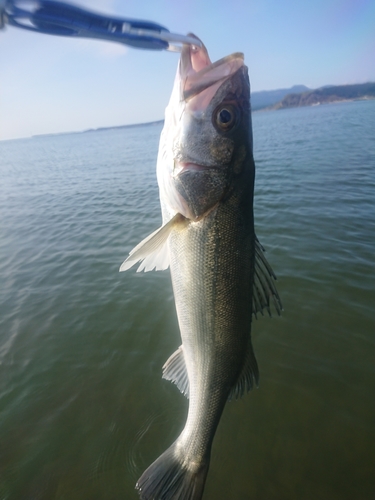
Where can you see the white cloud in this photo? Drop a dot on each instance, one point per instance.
(112, 50)
(101, 48)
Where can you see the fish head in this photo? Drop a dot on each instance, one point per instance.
(207, 135)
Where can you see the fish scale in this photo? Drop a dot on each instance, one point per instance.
(224, 306)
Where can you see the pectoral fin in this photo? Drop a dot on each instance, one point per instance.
(152, 252)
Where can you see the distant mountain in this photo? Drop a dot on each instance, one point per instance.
(266, 98)
(326, 95)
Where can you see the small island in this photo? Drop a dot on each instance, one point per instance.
(326, 95)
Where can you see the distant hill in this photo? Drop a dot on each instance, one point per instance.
(326, 95)
(266, 98)
(296, 96)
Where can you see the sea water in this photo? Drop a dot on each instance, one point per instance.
(83, 408)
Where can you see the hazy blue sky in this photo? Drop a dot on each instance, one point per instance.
(53, 84)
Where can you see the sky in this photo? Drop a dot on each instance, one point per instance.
(51, 84)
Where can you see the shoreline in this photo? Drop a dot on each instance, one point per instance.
(322, 103)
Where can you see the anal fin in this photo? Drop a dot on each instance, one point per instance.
(248, 377)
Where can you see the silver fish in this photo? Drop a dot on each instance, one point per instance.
(220, 277)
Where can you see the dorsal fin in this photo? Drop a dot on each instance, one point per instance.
(264, 288)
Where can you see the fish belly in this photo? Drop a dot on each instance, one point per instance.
(212, 264)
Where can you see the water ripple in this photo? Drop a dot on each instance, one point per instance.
(83, 408)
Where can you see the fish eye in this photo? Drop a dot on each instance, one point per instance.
(225, 117)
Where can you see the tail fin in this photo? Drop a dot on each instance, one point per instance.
(168, 479)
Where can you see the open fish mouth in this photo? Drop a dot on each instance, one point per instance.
(198, 73)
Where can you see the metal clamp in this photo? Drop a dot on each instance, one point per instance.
(62, 19)
(2, 13)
